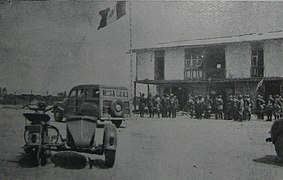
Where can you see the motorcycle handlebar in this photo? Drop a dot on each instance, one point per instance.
(38, 108)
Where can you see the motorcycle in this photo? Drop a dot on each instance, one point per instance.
(36, 135)
(276, 137)
(41, 138)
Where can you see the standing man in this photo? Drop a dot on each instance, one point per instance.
(240, 107)
(281, 100)
(229, 109)
(269, 108)
(190, 105)
(207, 107)
(171, 106)
(176, 106)
(260, 107)
(157, 104)
(277, 107)
(150, 105)
(142, 105)
(163, 106)
(219, 107)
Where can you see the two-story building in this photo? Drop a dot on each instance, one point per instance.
(224, 65)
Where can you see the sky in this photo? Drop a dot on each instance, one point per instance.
(52, 46)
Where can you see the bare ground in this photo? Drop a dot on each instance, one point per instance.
(180, 148)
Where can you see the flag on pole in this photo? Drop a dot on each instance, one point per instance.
(259, 84)
(110, 15)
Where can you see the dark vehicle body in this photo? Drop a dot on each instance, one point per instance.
(112, 103)
(276, 138)
(41, 137)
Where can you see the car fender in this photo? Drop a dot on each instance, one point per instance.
(276, 129)
(110, 137)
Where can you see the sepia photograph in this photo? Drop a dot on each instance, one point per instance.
(145, 90)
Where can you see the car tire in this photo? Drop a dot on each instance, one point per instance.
(117, 112)
(58, 115)
(279, 146)
(110, 156)
(117, 123)
(43, 157)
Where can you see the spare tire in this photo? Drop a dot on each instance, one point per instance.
(117, 108)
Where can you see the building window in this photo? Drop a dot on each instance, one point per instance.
(159, 65)
(257, 62)
(194, 63)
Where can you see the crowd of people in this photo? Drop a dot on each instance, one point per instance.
(165, 106)
(235, 107)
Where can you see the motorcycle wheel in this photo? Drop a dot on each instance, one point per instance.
(42, 157)
(279, 146)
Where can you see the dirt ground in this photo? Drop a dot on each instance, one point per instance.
(157, 148)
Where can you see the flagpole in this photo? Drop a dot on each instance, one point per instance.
(131, 53)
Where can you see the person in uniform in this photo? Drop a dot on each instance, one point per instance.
(207, 107)
(235, 114)
(190, 105)
(157, 104)
(199, 107)
(176, 106)
(229, 109)
(150, 105)
(281, 100)
(269, 108)
(240, 106)
(142, 105)
(219, 107)
(247, 108)
(259, 105)
(277, 107)
(163, 106)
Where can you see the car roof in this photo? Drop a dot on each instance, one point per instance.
(98, 86)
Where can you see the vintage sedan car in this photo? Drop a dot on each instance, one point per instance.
(112, 103)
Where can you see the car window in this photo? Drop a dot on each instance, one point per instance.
(107, 92)
(119, 93)
(72, 94)
(81, 93)
(95, 93)
(125, 94)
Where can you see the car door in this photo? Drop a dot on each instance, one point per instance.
(71, 102)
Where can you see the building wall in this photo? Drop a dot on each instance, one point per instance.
(273, 58)
(145, 70)
(238, 60)
(145, 65)
(174, 64)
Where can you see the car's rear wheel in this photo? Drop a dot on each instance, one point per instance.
(279, 146)
(110, 156)
(117, 123)
(58, 115)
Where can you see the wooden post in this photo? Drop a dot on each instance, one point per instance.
(148, 91)
(135, 95)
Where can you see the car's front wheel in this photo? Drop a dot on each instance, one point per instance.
(279, 146)
(110, 156)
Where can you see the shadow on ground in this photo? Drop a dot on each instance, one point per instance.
(73, 160)
(270, 160)
(25, 161)
(66, 160)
